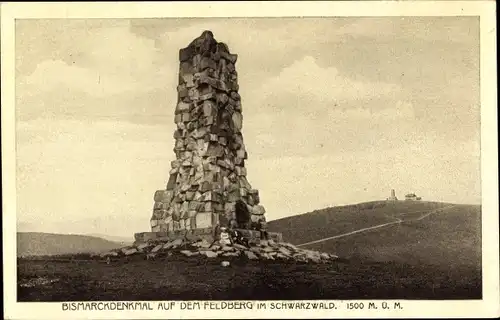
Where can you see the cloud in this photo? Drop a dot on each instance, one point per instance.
(58, 76)
(269, 44)
(154, 106)
(304, 80)
(307, 109)
(99, 58)
(127, 57)
(451, 29)
(98, 43)
(400, 111)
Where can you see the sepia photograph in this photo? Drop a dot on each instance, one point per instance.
(212, 161)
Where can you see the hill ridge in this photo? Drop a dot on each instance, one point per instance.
(364, 205)
(46, 243)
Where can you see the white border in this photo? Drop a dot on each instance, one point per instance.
(488, 307)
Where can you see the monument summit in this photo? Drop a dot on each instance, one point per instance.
(208, 184)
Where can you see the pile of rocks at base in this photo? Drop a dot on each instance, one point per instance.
(265, 250)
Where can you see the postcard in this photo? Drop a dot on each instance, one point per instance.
(250, 160)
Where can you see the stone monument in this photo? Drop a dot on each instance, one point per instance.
(208, 184)
(393, 196)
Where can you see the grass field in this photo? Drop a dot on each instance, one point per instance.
(436, 257)
(181, 278)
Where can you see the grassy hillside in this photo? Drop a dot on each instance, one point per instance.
(338, 220)
(448, 242)
(39, 244)
(452, 236)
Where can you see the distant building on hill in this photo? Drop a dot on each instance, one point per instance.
(412, 197)
(393, 196)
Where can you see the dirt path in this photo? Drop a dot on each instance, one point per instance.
(398, 220)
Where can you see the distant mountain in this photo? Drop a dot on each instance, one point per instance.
(38, 243)
(123, 240)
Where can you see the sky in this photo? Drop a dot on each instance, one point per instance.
(335, 111)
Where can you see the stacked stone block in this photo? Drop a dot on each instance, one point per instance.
(208, 177)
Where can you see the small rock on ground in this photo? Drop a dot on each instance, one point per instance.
(250, 255)
(130, 251)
